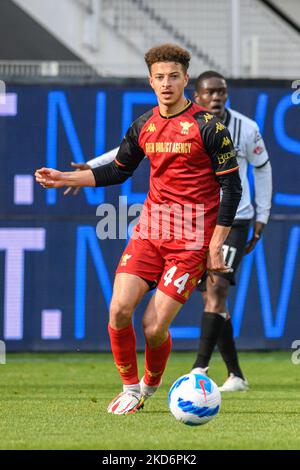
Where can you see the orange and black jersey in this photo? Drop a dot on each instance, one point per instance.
(191, 155)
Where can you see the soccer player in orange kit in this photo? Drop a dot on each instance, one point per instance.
(186, 146)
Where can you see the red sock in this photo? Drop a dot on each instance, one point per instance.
(123, 346)
(156, 361)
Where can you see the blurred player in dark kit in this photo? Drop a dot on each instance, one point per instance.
(216, 327)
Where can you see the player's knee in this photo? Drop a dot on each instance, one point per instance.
(120, 314)
(219, 291)
(155, 335)
(216, 298)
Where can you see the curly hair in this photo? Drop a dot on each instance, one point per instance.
(168, 53)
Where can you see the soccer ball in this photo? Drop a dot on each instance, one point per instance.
(194, 399)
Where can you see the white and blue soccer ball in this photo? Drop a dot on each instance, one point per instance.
(194, 399)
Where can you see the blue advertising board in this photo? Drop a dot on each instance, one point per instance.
(56, 276)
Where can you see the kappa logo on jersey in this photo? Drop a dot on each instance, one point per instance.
(186, 127)
(151, 127)
(207, 117)
(125, 258)
(219, 127)
(226, 141)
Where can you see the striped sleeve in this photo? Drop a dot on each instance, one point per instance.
(217, 141)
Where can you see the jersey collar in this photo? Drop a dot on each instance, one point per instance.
(168, 116)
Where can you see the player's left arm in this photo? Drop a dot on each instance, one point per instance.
(257, 156)
(218, 143)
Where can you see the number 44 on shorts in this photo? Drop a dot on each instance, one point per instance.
(179, 282)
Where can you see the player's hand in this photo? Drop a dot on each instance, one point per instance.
(77, 167)
(216, 263)
(49, 178)
(258, 229)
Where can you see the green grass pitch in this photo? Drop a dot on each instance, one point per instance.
(58, 401)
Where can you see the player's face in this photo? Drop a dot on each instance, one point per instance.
(212, 94)
(168, 80)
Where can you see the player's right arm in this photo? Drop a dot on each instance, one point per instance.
(257, 156)
(129, 156)
(50, 178)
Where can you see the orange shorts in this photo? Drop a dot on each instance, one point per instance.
(165, 264)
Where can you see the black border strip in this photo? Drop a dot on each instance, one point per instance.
(129, 82)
